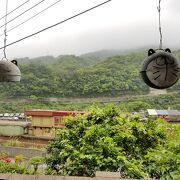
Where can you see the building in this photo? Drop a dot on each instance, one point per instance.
(45, 122)
(13, 128)
(169, 115)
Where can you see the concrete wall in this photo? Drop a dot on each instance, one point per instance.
(43, 131)
(26, 152)
(8, 130)
(38, 177)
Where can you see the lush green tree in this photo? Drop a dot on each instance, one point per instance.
(106, 140)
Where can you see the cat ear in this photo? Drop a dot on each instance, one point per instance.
(14, 62)
(167, 50)
(150, 52)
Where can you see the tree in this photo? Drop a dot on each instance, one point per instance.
(36, 161)
(105, 140)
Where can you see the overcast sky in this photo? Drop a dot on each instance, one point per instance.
(119, 24)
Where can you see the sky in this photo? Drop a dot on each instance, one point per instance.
(119, 24)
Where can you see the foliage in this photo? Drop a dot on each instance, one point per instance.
(17, 167)
(4, 157)
(13, 142)
(82, 77)
(164, 161)
(19, 159)
(106, 140)
(36, 161)
(127, 103)
(12, 168)
(73, 76)
(3, 154)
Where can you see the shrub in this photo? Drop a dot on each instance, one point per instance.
(36, 161)
(13, 142)
(12, 168)
(106, 140)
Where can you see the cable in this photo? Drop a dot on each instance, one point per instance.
(160, 29)
(32, 17)
(23, 13)
(15, 9)
(49, 27)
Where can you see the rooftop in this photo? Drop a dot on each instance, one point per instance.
(154, 112)
(49, 113)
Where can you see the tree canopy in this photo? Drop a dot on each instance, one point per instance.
(106, 140)
(79, 76)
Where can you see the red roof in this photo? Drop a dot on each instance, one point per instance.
(49, 113)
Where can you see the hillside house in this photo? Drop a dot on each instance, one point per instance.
(45, 122)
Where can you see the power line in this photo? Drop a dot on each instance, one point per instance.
(49, 27)
(15, 9)
(23, 13)
(32, 17)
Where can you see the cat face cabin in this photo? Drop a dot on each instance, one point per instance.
(45, 122)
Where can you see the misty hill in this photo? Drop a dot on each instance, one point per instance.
(62, 60)
(103, 53)
(87, 59)
(77, 76)
(106, 53)
(41, 60)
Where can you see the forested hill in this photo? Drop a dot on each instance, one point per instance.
(79, 76)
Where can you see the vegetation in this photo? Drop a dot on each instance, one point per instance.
(7, 166)
(36, 161)
(125, 103)
(13, 168)
(19, 159)
(76, 76)
(106, 140)
(92, 75)
(20, 165)
(13, 142)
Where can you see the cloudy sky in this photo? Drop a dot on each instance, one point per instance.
(119, 24)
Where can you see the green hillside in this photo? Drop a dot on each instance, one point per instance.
(80, 76)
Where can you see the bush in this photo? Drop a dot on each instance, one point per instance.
(106, 140)
(36, 161)
(19, 159)
(13, 142)
(12, 168)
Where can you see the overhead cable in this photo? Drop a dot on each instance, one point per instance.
(15, 9)
(49, 27)
(23, 13)
(32, 16)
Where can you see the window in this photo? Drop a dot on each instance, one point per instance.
(56, 121)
